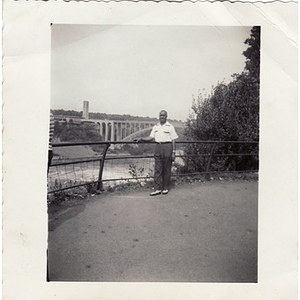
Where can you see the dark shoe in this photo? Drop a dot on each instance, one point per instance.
(155, 193)
(165, 192)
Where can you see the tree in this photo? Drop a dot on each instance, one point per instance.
(252, 54)
(229, 113)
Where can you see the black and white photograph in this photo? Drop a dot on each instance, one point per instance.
(153, 153)
(150, 150)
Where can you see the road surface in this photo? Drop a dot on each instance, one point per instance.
(200, 232)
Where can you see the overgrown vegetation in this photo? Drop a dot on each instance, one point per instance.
(229, 113)
(79, 194)
(76, 132)
(137, 173)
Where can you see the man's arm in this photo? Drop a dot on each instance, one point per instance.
(144, 139)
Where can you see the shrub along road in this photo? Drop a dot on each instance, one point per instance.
(201, 232)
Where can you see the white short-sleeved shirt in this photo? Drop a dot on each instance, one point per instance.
(163, 133)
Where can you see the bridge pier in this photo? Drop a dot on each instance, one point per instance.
(123, 130)
(112, 136)
(106, 131)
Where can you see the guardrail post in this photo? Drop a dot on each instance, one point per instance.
(209, 161)
(100, 184)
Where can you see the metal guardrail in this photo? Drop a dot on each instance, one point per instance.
(104, 158)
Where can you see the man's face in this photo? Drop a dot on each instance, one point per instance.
(163, 117)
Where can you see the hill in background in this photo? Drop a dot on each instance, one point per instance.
(104, 116)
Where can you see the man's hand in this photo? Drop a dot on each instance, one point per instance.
(136, 140)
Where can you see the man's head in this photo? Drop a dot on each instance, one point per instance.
(163, 116)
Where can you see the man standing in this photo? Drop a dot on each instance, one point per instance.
(164, 135)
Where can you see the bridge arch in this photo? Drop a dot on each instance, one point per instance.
(133, 135)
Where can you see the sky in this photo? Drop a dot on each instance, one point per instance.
(140, 69)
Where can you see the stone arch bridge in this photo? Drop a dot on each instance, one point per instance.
(113, 130)
(118, 130)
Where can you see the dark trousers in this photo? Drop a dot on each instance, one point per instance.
(163, 164)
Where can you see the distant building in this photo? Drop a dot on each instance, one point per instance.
(85, 112)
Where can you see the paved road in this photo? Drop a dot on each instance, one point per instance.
(201, 232)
